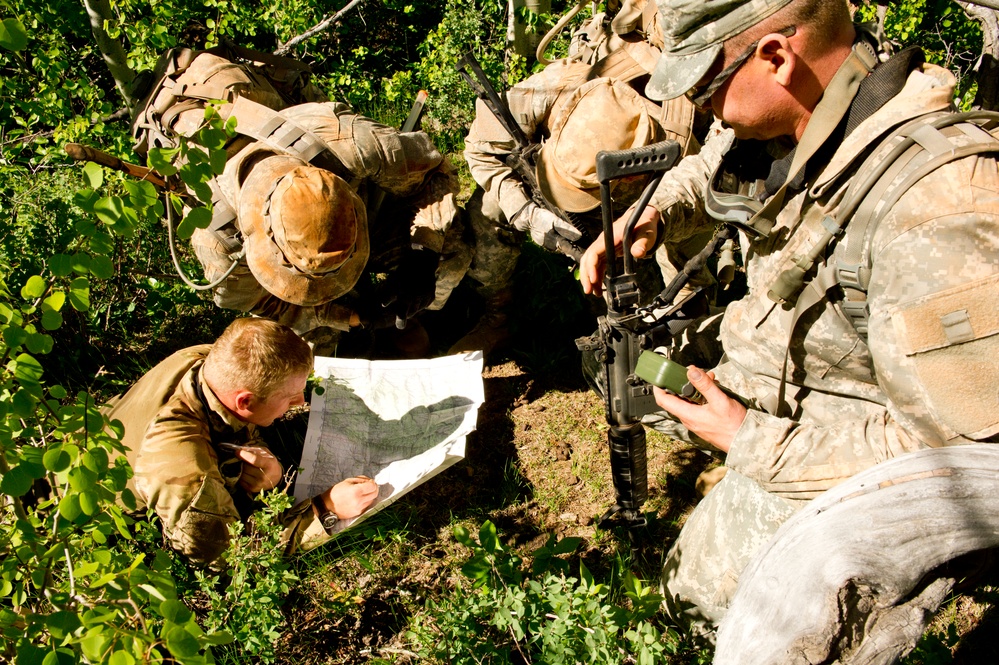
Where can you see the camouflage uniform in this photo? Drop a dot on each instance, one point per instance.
(173, 425)
(406, 166)
(910, 384)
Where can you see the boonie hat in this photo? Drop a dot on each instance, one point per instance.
(602, 114)
(693, 34)
(305, 230)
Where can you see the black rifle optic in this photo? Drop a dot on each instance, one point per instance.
(628, 328)
(522, 160)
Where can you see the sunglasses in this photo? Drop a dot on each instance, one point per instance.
(699, 95)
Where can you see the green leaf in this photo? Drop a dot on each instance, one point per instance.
(51, 320)
(217, 159)
(153, 591)
(13, 36)
(128, 500)
(211, 138)
(174, 610)
(81, 479)
(121, 658)
(23, 404)
(88, 503)
(54, 301)
(56, 460)
(567, 545)
(488, 538)
(27, 370)
(79, 294)
(14, 336)
(62, 623)
(34, 287)
(200, 217)
(16, 482)
(93, 174)
(56, 390)
(161, 160)
(141, 194)
(180, 642)
(101, 267)
(69, 507)
(109, 209)
(80, 263)
(476, 568)
(41, 344)
(60, 265)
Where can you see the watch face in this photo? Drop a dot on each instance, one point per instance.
(329, 520)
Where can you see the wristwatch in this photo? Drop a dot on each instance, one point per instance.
(327, 518)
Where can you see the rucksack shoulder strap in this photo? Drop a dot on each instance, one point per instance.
(922, 149)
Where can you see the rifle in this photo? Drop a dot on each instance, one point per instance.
(629, 327)
(522, 159)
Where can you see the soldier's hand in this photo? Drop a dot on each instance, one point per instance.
(593, 262)
(261, 469)
(413, 286)
(547, 229)
(352, 497)
(716, 421)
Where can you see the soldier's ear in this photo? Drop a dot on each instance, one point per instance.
(776, 50)
(244, 401)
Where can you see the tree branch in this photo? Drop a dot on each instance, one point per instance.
(99, 11)
(316, 29)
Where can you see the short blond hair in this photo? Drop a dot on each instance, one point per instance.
(257, 355)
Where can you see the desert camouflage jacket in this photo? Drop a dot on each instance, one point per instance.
(173, 423)
(405, 165)
(925, 374)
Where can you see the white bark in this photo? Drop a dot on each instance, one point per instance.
(843, 580)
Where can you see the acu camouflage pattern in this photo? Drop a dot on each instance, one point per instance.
(173, 423)
(855, 403)
(424, 212)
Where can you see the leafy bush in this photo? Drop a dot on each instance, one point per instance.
(246, 600)
(515, 614)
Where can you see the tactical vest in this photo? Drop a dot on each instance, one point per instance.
(917, 149)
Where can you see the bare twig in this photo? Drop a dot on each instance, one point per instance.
(316, 29)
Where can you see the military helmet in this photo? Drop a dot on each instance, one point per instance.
(602, 114)
(305, 230)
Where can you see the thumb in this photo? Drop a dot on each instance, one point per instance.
(704, 383)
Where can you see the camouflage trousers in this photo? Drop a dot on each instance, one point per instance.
(719, 539)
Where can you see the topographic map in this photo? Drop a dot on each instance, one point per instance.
(400, 422)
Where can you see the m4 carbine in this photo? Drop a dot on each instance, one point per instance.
(522, 159)
(629, 328)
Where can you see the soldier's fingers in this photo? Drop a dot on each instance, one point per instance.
(255, 455)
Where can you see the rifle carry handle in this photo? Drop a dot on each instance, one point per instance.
(612, 164)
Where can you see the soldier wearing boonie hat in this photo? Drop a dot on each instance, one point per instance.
(574, 113)
(858, 261)
(303, 237)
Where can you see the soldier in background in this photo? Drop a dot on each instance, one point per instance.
(191, 433)
(575, 107)
(299, 234)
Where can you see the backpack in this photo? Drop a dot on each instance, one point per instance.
(185, 81)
